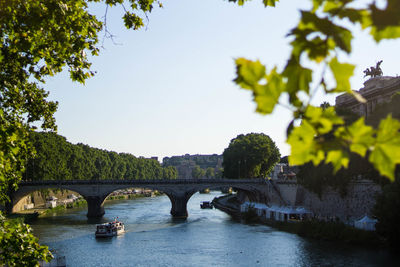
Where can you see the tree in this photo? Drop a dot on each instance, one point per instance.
(170, 172)
(321, 38)
(198, 172)
(219, 173)
(249, 156)
(210, 172)
(18, 246)
(57, 159)
(38, 38)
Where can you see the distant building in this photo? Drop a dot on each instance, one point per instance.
(283, 171)
(186, 163)
(376, 91)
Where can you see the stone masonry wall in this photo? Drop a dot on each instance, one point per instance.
(359, 201)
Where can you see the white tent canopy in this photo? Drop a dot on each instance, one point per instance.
(366, 223)
(275, 212)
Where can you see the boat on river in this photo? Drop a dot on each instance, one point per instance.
(110, 229)
(206, 205)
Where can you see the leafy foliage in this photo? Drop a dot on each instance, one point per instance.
(204, 161)
(57, 159)
(39, 38)
(19, 247)
(210, 173)
(318, 178)
(249, 156)
(320, 37)
(198, 172)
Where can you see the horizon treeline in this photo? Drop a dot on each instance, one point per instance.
(57, 159)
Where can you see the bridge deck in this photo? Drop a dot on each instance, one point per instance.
(145, 182)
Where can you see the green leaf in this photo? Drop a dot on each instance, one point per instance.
(270, 2)
(267, 96)
(316, 4)
(322, 119)
(342, 73)
(359, 136)
(338, 158)
(385, 23)
(298, 77)
(386, 153)
(248, 72)
(332, 6)
(303, 145)
(389, 32)
(354, 15)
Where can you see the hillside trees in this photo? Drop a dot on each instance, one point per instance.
(57, 159)
(198, 172)
(249, 156)
(210, 172)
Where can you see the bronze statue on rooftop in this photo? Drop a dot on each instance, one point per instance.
(374, 71)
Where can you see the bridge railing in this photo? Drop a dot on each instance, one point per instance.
(144, 182)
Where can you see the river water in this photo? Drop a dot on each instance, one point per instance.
(207, 238)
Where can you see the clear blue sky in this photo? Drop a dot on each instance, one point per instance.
(167, 90)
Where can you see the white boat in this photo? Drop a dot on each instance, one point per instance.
(110, 229)
(206, 205)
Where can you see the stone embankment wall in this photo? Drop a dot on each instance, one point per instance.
(359, 200)
(39, 199)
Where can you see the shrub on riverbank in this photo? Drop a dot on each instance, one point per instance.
(78, 203)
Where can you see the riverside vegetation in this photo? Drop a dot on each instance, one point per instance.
(57, 159)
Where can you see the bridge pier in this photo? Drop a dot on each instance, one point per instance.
(95, 192)
(179, 204)
(95, 206)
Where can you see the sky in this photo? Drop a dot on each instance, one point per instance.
(167, 89)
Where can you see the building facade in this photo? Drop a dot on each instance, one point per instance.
(376, 91)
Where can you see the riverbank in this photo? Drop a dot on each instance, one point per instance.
(30, 215)
(228, 204)
(315, 229)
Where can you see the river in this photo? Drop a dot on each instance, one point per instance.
(207, 238)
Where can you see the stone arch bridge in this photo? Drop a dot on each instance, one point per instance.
(179, 191)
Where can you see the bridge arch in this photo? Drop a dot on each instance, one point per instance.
(17, 197)
(178, 191)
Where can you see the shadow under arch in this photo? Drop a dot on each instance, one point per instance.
(179, 201)
(18, 196)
